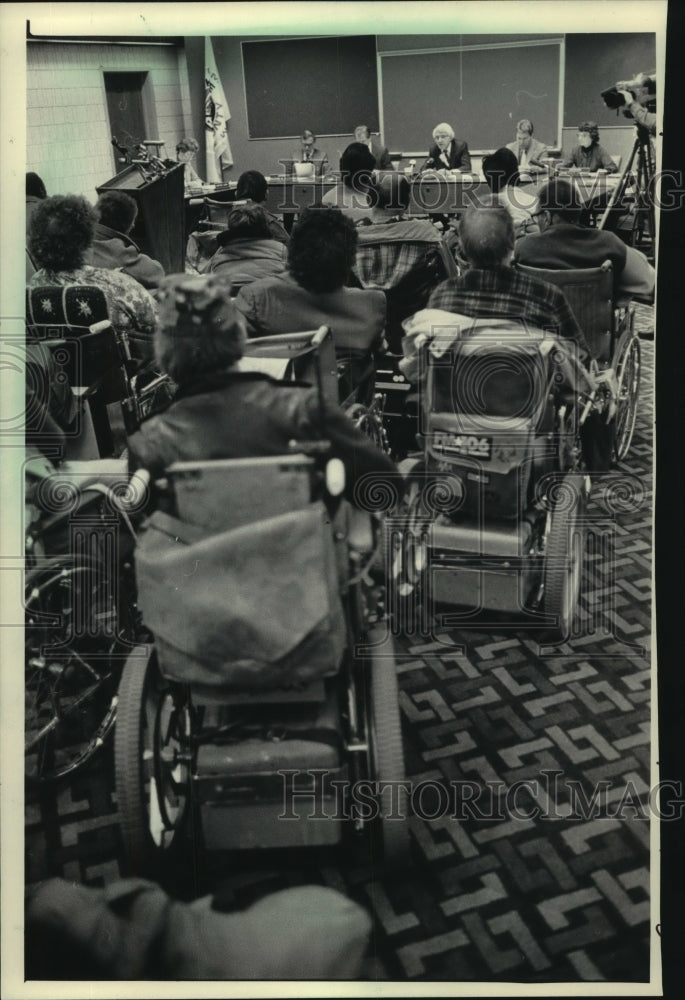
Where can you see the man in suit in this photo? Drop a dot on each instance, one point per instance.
(448, 153)
(309, 153)
(380, 153)
(528, 151)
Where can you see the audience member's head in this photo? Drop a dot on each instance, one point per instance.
(500, 169)
(246, 222)
(487, 235)
(186, 149)
(362, 133)
(588, 134)
(322, 249)
(356, 165)
(60, 232)
(34, 186)
(559, 198)
(443, 135)
(252, 185)
(392, 193)
(116, 210)
(199, 329)
(524, 132)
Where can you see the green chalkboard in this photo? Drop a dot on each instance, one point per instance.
(328, 85)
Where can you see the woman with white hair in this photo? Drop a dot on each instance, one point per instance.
(447, 153)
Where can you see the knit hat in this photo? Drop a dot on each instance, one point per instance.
(199, 326)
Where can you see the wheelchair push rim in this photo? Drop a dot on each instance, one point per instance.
(70, 667)
(563, 559)
(627, 367)
(152, 763)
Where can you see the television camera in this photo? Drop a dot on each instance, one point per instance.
(642, 88)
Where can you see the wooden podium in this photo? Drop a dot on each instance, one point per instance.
(159, 228)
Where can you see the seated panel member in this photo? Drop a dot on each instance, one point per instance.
(308, 153)
(380, 152)
(588, 154)
(562, 243)
(186, 151)
(352, 194)
(491, 287)
(501, 171)
(448, 153)
(222, 412)
(527, 150)
(112, 246)
(312, 292)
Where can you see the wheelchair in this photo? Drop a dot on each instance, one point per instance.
(81, 619)
(609, 329)
(493, 518)
(350, 378)
(268, 696)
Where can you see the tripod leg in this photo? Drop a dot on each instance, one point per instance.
(620, 188)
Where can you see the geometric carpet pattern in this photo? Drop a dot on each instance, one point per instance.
(531, 855)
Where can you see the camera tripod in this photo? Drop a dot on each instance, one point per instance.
(643, 177)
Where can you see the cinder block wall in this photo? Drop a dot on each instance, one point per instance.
(68, 132)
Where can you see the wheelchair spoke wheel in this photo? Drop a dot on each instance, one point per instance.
(71, 667)
(386, 751)
(408, 567)
(564, 548)
(152, 763)
(627, 367)
(369, 420)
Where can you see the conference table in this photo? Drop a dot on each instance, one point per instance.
(431, 193)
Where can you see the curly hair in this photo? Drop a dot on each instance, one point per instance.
(591, 128)
(486, 234)
(116, 210)
(500, 169)
(252, 185)
(199, 328)
(60, 232)
(322, 249)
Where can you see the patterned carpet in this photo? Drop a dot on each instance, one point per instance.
(492, 896)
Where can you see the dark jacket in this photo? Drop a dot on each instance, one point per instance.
(247, 259)
(115, 251)
(233, 414)
(457, 154)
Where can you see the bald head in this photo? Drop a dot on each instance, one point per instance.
(487, 235)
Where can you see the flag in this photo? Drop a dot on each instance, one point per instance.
(217, 117)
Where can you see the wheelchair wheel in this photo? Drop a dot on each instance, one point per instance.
(386, 751)
(73, 652)
(152, 764)
(564, 548)
(407, 561)
(369, 420)
(627, 367)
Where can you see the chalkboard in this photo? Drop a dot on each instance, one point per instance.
(328, 85)
(596, 62)
(481, 93)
